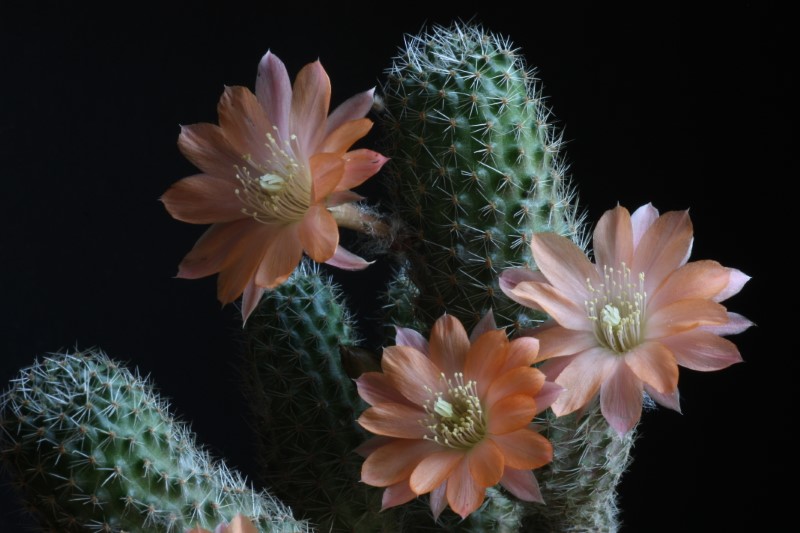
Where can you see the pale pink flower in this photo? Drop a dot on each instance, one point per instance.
(275, 183)
(239, 524)
(622, 325)
(454, 417)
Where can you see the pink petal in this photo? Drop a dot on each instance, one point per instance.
(682, 316)
(207, 148)
(520, 380)
(240, 524)
(524, 449)
(326, 171)
(410, 337)
(463, 494)
(613, 238)
(236, 275)
(281, 258)
(394, 420)
(353, 108)
(375, 388)
(670, 400)
(735, 283)
(311, 96)
(486, 323)
(568, 312)
(394, 462)
(582, 379)
(347, 260)
(654, 363)
(338, 141)
(337, 198)
(736, 324)
(485, 359)
(449, 344)
(699, 279)
(547, 395)
(274, 92)
(641, 220)
(564, 264)
(663, 248)
(397, 494)
(244, 122)
(522, 351)
(552, 368)
(250, 299)
(434, 469)
(557, 341)
(511, 277)
(319, 233)
(621, 398)
(412, 374)
(510, 414)
(359, 166)
(220, 245)
(486, 463)
(438, 500)
(522, 484)
(702, 350)
(203, 199)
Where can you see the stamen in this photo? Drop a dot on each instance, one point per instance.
(618, 323)
(455, 417)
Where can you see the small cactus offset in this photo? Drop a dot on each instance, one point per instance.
(94, 448)
(475, 170)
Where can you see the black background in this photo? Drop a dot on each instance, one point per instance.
(670, 105)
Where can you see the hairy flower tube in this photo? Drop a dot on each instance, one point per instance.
(622, 325)
(275, 183)
(453, 417)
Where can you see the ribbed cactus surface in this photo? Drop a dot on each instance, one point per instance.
(475, 169)
(94, 448)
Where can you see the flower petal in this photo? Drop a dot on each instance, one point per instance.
(438, 499)
(338, 141)
(552, 368)
(463, 493)
(564, 265)
(564, 310)
(243, 121)
(319, 234)
(394, 462)
(359, 166)
(511, 277)
(434, 469)
(524, 449)
(522, 484)
(510, 413)
(485, 359)
(641, 220)
(397, 494)
(219, 246)
(240, 524)
(449, 344)
(582, 379)
(376, 387)
(394, 420)
(547, 395)
(613, 238)
(621, 398)
(654, 363)
(203, 199)
(353, 108)
(326, 171)
(670, 400)
(684, 315)
(274, 92)
(485, 324)
(702, 350)
(699, 279)
(311, 96)
(522, 351)
(337, 198)
(207, 148)
(736, 324)
(486, 463)
(347, 260)
(410, 337)
(412, 374)
(663, 248)
(250, 299)
(735, 283)
(557, 341)
(252, 250)
(520, 380)
(281, 258)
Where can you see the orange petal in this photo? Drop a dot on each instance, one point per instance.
(360, 165)
(684, 315)
(564, 264)
(463, 494)
(218, 247)
(557, 341)
(567, 312)
(641, 220)
(653, 363)
(449, 344)
(394, 462)
(524, 449)
(663, 248)
(613, 238)
(326, 171)
(243, 121)
(699, 279)
(319, 234)
(338, 141)
(520, 380)
(311, 95)
(522, 351)
(250, 299)
(346, 260)
(621, 398)
(375, 388)
(394, 420)
(702, 350)
(582, 379)
(397, 494)
(353, 108)
(486, 463)
(207, 148)
(434, 469)
(281, 258)
(522, 484)
(412, 374)
(274, 92)
(241, 524)
(485, 358)
(510, 413)
(203, 199)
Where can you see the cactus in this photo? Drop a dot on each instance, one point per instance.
(94, 448)
(475, 170)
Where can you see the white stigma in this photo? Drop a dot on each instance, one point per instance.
(455, 417)
(617, 308)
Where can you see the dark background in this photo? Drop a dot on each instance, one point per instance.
(667, 104)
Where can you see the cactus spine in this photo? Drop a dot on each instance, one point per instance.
(94, 448)
(475, 170)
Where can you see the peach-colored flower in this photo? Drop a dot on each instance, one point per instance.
(453, 416)
(622, 325)
(275, 182)
(239, 524)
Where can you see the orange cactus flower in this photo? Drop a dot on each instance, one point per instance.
(623, 324)
(453, 417)
(239, 524)
(276, 178)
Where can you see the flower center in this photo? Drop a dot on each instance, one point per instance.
(281, 193)
(616, 309)
(455, 416)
